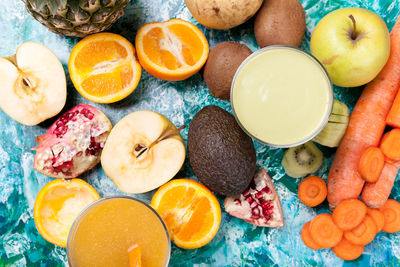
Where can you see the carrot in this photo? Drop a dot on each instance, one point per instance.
(306, 237)
(348, 251)
(364, 233)
(366, 125)
(391, 213)
(378, 218)
(375, 195)
(371, 164)
(393, 118)
(349, 213)
(324, 231)
(312, 191)
(390, 144)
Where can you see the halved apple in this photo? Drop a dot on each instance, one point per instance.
(33, 86)
(143, 151)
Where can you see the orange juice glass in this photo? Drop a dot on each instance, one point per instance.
(104, 231)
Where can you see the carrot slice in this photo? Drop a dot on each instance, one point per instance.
(371, 164)
(390, 144)
(364, 233)
(378, 218)
(312, 191)
(349, 214)
(391, 213)
(348, 251)
(306, 237)
(366, 126)
(324, 231)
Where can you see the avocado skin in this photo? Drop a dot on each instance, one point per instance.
(221, 154)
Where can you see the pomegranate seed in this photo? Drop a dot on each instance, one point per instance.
(90, 115)
(238, 202)
(250, 200)
(259, 194)
(246, 193)
(59, 123)
(254, 204)
(266, 189)
(267, 206)
(267, 218)
(255, 212)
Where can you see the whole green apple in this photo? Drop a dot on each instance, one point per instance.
(353, 44)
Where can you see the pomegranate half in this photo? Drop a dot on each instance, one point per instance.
(73, 144)
(259, 204)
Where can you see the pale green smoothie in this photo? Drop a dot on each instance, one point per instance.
(282, 96)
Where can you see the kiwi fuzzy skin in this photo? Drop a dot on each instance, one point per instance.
(280, 22)
(221, 66)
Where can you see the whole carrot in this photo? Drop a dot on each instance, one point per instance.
(366, 126)
(376, 194)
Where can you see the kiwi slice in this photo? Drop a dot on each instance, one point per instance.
(302, 160)
(336, 127)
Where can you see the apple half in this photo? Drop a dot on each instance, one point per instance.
(33, 85)
(143, 151)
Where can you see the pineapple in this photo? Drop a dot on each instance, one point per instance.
(76, 17)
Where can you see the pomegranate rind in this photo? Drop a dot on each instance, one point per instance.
(263, 198)
(73, 144)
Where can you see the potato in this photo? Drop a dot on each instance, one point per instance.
(223, 61)
(223, 14)
(280, 22)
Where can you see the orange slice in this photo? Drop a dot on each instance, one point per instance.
(57, 206)
(173, 50)
(135, 256)
(104, 68)
(190, 211)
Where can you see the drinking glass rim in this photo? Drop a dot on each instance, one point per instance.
(330, 85)
(116, 197)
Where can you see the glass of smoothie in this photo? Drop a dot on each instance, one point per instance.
(281, 96)
(104, 231)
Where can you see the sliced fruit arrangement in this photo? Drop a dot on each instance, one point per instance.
(351, 226)
(336, 127)
(221, 155)
(144, 151)
(302, 160)
(259, 204)
(58, 204)
(190, 211)
(33, 84)
(76, 18)
(73, 143)
(104, 68)
(173, 50)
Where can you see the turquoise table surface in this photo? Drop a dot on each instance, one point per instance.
(237, 243)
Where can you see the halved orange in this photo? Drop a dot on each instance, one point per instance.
(135, 256)
(104, 68)
(173, 50)
(58, 204)
(191, 212)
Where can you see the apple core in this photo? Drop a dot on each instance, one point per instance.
(282, 96)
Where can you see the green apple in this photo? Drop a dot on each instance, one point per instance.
(353, 44)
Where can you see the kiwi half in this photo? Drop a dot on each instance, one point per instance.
(302, 160)
(336, 127)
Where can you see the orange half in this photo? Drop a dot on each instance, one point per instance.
(191, 212)
(173, 50)
(57, 206)
(104, 68)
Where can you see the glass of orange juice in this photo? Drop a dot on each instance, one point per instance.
(104, 231)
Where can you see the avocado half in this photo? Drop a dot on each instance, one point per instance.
(221, 154)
